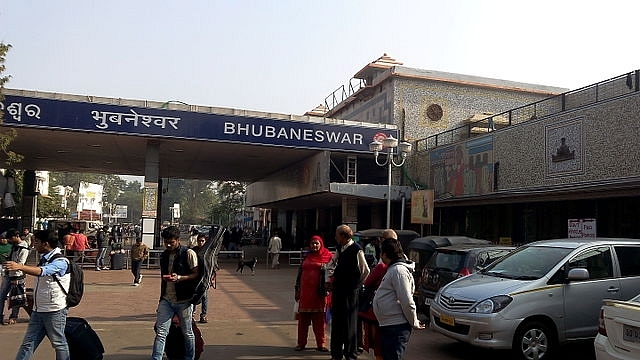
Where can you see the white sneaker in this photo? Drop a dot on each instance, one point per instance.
(97, 269)
(135, 284)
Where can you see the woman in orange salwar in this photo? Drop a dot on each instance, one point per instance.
(312, 296)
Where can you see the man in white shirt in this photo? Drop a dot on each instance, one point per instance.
(275, 245)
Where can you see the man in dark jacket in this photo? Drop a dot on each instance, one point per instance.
(179, 270)
(347, 269)
(103, 243)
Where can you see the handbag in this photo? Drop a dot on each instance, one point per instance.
(365, 298)
(17, 295)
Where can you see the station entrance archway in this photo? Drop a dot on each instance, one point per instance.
(62, 132)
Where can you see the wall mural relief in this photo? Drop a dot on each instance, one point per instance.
(462, 169)
(563, 148)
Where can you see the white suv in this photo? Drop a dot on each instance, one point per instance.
(542, 294)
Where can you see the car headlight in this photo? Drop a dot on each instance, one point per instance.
(436, 297)
(492, 305)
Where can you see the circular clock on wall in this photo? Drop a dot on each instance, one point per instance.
(434, 112)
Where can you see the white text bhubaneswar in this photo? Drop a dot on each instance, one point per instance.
(269, 131)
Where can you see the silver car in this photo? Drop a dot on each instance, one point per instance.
(538, 296)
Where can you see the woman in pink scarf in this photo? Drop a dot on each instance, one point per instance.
(311, 295)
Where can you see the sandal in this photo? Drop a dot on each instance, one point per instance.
(10, 322)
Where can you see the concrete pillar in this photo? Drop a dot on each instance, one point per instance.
(350, 212)
(29, 200)
(150, 207)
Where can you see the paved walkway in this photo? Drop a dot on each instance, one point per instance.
(250, 317)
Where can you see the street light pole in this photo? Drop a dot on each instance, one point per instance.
(392, 159)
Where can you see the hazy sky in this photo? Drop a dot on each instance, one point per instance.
(287, 56)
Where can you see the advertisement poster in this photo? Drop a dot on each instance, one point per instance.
(150, 200)
(90, 197)
(422, 207)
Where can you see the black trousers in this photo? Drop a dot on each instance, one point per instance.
(344, 324)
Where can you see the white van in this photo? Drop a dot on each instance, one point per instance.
(542, 294)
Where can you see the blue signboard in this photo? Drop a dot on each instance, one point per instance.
(20, 111)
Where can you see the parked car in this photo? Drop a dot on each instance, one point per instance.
(451, 262)
(539, 295)
(619, 330)
(421, 249)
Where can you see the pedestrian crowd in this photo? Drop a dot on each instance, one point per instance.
(369, 309)
(366, 294)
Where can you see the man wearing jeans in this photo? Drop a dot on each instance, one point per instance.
(49, 315)
(19, 253)
(102, 240)
(179, 270)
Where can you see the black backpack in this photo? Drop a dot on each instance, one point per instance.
(76, 285)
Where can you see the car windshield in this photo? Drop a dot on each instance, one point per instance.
(527, 263)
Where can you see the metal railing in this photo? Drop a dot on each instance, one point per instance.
(588, 95)
(343, 92)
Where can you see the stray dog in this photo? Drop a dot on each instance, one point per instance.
(251, 264)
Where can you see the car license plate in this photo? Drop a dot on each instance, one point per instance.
(448, 320)
(427, 301)
(631, 333)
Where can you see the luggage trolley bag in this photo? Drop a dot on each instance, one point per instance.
(174, 345)
(84, 343)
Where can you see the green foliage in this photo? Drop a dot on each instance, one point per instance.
(49, 207)
(194, 196)
(4, 49)
(131, 196)
(6, 135)
(230, 202)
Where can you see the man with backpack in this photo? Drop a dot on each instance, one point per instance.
(180, 276)
(49, 315)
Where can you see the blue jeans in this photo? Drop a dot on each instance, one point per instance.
(203, 305)
(100, 258)
(50, 324)
(4, 291)
(394, 341)
(135, 270)
(165, 313)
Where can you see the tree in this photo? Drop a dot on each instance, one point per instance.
(49, 207)
(131, 196)
(230, 202)
(6, 135)
(194, 196)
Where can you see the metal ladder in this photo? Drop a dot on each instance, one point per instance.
(352, 170)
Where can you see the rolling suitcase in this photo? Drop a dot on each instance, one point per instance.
(84, 343)
(174, 345)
